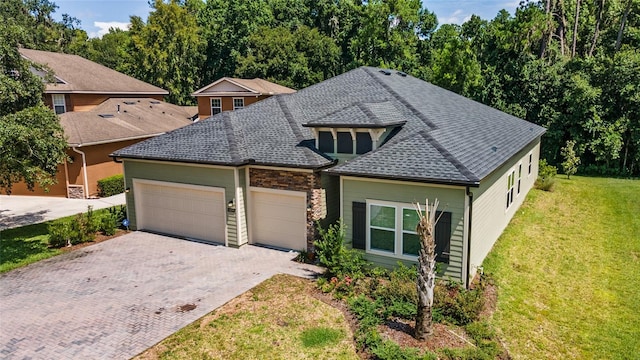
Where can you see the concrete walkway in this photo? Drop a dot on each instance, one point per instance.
(18, 211)
(115, 299)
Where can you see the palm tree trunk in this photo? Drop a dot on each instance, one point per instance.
(426, 280)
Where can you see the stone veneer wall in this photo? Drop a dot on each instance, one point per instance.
(308, 182)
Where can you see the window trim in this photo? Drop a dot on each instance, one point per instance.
(519, 186)
(530, 163)
(54, 105)
(234, 103)
(211, 107)
(511, 177)
(398, 231)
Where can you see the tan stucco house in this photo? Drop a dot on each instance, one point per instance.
(226, 94)
(100, 110)
(362, 146)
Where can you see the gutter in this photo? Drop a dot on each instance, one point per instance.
(84, 171)
(470, 195)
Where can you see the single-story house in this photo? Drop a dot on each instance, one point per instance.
(227, 94)
(363, 146)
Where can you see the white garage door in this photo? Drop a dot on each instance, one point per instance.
(279, 219)
(190, 211)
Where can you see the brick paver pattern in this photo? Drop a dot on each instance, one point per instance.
(115, 299)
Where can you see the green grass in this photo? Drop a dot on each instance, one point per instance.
(568, 272)
(28, 244)
(278, 319)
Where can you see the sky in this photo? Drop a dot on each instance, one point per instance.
(97, 16)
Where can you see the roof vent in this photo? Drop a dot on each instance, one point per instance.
(106, 116)
(130, 102)
(386, 72)
(155, 102)
(403, 74)
(494, 149)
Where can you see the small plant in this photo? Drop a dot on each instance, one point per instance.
(571, 160)
(333, 255)
(59, 234)
(398, 294)
(111, 185)
(108, 225)
(546, 176)
(457, 304)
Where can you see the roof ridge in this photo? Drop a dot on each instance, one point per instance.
(448, 156)
(234, 149)
(402, 100)
(368, 112)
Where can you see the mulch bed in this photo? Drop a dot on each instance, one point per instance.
(99, 238)
(401, 331)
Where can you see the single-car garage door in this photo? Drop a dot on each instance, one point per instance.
(190, 211)
(279, 218)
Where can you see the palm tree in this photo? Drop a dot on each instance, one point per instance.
(426, 268)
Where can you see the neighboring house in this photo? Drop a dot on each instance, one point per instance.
(231, 94)
(362, 146)
(100, 110)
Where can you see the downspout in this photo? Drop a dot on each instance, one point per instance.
(84, 171)
(467, 281)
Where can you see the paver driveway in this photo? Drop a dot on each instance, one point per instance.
(117, 298)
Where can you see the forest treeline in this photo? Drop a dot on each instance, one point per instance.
(572, 66)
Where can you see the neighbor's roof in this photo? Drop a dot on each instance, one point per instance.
(138, 118)
(443, 137)
(75, 74)
(228, 86)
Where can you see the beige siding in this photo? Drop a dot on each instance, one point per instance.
(490, 214)
(451, 199)
(181, 173)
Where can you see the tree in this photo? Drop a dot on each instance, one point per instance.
(571, 160)
(32, 143)
(296, 59)
(167, 50)
(426, 281)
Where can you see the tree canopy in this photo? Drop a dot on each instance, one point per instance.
(572, 66)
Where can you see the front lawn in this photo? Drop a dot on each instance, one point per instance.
(568, 272)
(277, 319)
(28, 244)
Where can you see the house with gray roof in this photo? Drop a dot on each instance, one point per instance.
(363, 147)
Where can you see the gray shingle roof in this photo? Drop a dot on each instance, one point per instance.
(443, 137)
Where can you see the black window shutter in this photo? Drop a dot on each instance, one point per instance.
(359, 213)
(443, 236)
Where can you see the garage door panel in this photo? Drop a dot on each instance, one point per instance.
(279, 219)
(177, 209)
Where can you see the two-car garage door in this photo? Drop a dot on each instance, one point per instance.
(189, 211)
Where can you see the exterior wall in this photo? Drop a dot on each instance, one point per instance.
(181, 173)
(86, 102)
(490, 214)
(99, 166)
(309, 182)
(241, 208)
(451, 199)
(204, 103)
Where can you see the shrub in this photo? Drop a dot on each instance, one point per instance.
(399, 293)
(456, 304)
(333, 255)
(546, 176)
(389, 350)
(59, 234)
(111, 185)
(108, 225)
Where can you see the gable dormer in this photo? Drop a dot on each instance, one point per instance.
(356, 129)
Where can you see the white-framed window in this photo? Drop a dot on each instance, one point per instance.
(59, 106)
(392, 230)
(238, 103)
(510, 187)
(519, 178)
(216, 106)
(530, 163)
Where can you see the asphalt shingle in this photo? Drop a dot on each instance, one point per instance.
(439, 136)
